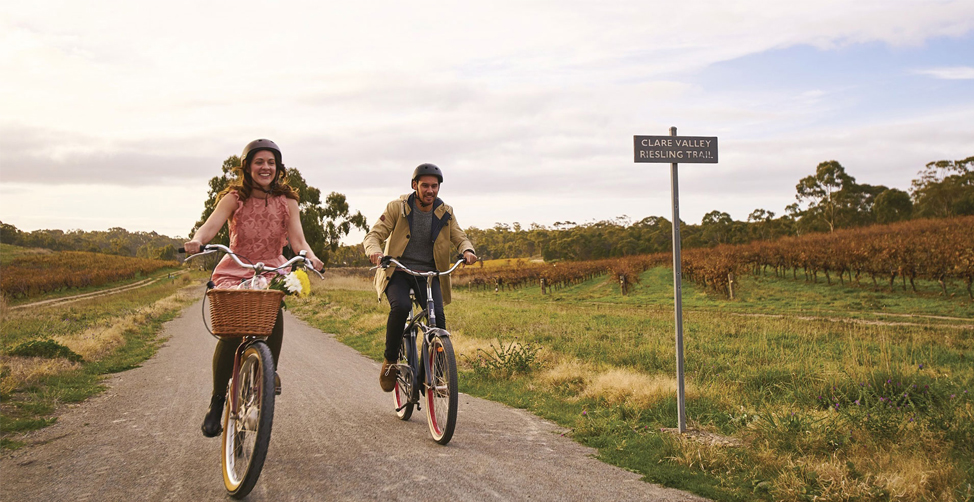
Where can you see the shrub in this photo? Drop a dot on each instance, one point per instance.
(505, 360)
(45, 348)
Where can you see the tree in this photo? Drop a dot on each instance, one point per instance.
(892, 205)
(944, 188)
(338, 222)
(715, 228)
(823, 190)
(323, 226)
(217, 185)
(761, 222)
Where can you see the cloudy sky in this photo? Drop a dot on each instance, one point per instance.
(116, 113)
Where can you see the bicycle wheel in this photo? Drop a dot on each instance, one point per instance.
(405, 381)
(247, 429)
(441, 396)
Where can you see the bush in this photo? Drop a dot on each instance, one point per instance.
(45, 348)
(505, 361)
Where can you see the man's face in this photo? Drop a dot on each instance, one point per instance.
(427, 187)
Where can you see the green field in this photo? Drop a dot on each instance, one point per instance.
(55, 354)
(795, 391)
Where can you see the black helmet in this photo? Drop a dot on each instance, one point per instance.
(260, 144)
(427, 170)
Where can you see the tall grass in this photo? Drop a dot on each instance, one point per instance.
(809, 405)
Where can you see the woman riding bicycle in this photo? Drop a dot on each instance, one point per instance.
(262, 210)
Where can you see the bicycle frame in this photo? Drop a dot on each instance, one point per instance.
(415, 320)
(258, 268)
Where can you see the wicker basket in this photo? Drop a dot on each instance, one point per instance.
(244, 312)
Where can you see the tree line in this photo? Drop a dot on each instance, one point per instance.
(827, 200)
(114, 241)
(325, 222)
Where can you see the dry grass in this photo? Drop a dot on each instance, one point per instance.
(613, 386)
(466, 346)
(91, 344)
(94, 343)
(626, 386)
(20, 372)
(341, 281)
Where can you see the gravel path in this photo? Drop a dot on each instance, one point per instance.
(335, 437)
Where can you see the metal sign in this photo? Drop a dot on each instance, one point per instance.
(676, 149)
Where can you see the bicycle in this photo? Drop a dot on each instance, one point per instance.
(436, 366)
(249, 410)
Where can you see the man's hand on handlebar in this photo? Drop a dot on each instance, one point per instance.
(375, 258)
(470, 257)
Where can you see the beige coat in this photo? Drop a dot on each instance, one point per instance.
(393, 229)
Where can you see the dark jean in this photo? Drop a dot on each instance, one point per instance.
(227, 347)
(397, 292)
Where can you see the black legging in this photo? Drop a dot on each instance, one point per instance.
(397, 292)
(227, 347)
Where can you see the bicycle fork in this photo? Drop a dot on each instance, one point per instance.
(233, 400)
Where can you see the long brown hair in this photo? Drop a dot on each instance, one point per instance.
(244, 184)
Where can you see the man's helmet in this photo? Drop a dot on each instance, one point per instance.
(427, 170)
(260, 144)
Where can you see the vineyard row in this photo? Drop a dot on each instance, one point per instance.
(937, 250)
(35, 275)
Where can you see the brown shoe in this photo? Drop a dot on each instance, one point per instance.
(387, 376)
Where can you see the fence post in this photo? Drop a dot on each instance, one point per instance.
(730, 284)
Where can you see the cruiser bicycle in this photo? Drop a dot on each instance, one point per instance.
(428, 377)
(247, 314)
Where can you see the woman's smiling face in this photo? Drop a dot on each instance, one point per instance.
(263, 168)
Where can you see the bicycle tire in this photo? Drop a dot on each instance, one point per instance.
(442, 395)
(402, 395)
(247, 430)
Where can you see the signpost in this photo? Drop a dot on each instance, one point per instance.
(674, 149)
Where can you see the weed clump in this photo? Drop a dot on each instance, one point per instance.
(505, 360)
(48, 349)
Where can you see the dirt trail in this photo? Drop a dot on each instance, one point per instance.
(94, 294)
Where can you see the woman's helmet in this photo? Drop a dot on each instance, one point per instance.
(427, 170)
(260, 144)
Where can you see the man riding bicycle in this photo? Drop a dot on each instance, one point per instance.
(420, 231)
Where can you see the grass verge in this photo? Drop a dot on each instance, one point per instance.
(74, 346)
(826, 400)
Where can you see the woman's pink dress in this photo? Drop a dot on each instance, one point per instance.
(258, 233)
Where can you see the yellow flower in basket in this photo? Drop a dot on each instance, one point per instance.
(294, 283)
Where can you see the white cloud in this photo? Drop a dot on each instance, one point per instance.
(508, 97)
(948, 73)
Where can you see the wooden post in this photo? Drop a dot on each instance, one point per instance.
(730, 284)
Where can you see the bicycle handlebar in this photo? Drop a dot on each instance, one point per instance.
(388, 260)
(258, 267)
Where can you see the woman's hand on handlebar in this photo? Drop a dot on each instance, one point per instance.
(469, 257)
(316, 264)
(193, 247)
(375, 258)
